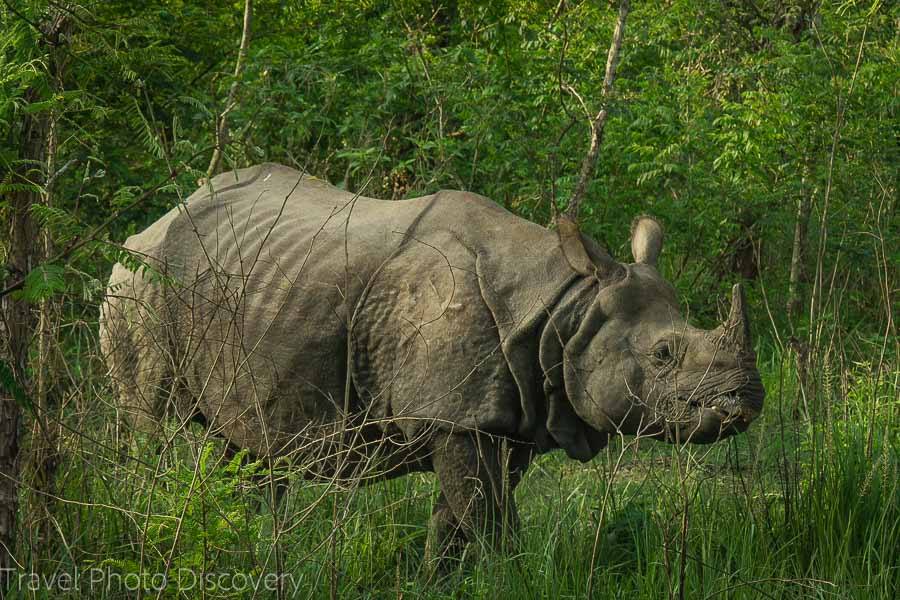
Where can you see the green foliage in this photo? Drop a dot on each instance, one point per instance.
(43, 282)
(725, 117)
(198, 517)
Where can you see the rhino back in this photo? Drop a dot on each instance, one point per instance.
(270, 265)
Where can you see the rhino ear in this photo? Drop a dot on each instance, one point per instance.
(584, 259)
(646, 240)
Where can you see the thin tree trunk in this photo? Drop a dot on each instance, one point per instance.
(39, 469)
(221, 132)
(801, 229)
(795, 300)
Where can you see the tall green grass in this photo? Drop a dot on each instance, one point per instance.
(793, 509)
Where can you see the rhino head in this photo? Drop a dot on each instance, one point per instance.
(636, 366)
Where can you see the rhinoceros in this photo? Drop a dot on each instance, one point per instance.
(370, 338)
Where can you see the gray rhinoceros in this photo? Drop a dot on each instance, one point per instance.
(371, 338)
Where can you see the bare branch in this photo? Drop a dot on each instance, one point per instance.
(589, 164)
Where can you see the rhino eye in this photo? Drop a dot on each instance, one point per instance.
(663, 353)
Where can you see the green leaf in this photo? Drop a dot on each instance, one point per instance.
(43, 282)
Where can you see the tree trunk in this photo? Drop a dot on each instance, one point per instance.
(18, 324)
(9, 502)
(17, 316)
(801, 228)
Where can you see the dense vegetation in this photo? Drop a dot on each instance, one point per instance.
(762, 134)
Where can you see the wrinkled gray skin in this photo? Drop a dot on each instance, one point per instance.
(370, 338)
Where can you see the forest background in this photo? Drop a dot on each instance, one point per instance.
(762, 133)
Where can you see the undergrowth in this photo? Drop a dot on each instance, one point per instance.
(794, 508)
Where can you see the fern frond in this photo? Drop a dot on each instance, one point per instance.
(63, 226)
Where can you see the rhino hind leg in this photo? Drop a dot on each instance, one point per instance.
(478, 474)
(136, 338)
(139, 366)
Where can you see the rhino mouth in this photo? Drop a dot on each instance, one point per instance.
(710, 419)
(729, 407)
(708, 411)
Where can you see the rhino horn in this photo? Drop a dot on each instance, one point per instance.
(737, 327)
(585, 259)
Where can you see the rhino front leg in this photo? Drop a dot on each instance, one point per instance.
(445, 536)
(477, 475)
